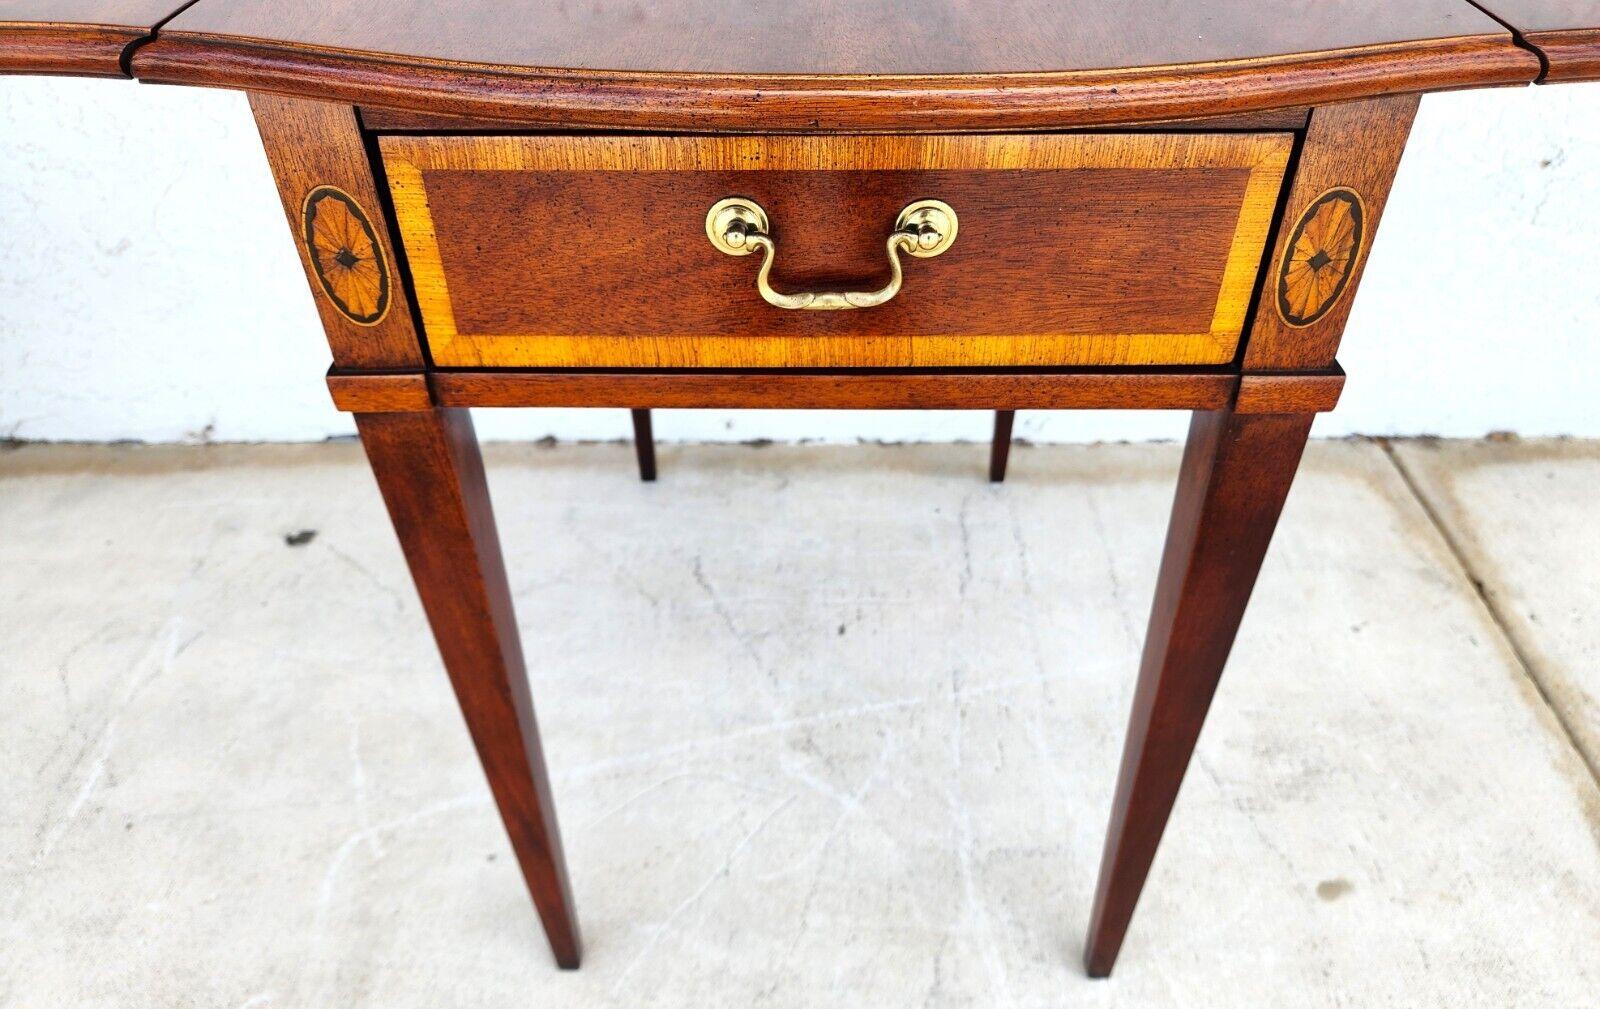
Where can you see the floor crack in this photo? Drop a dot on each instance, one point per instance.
(1524, 661)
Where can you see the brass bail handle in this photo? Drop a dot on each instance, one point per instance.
(739, 227)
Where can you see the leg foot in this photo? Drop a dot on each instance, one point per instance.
(431, 476)
(1237, 470)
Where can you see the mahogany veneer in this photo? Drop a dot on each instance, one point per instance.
(544, 252)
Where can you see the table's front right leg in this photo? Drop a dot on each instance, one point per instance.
(1237, 469)
(1236, 473)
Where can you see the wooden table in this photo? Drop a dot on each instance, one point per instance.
(941, 204)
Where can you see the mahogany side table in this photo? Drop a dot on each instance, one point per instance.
(945, 204)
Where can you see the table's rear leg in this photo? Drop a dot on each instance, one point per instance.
(1000, 447)
(431, 475)
(644, 445)
(1236, 473)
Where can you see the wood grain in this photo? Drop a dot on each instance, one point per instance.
(1108, 249)
(823, 65)
(382, 120)
(81, 37)
(840, 390)
(379, 393)
(1287, 393)
(1236, 473)
(313, 144)
(1315, 392)
(431, 474)
(1355, 146)
(1571, 55)
(1566, 33)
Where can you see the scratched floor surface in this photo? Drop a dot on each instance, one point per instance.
(829, 727)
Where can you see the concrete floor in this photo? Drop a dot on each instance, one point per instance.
(829, 726)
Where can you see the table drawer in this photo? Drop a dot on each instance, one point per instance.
(1083, 249)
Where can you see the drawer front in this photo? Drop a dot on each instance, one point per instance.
(1087, 249)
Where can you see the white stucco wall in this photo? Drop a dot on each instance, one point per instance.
(148, 289)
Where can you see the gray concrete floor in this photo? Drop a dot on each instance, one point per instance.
(829, 727)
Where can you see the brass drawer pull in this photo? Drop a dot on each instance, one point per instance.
(739, 227)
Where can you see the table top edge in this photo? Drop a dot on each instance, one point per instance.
(668, 100)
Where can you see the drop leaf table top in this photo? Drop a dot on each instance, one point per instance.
(1563, 33)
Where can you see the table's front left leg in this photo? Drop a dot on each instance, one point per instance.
(428, 468)
(431, 474)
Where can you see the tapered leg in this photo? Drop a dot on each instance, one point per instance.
(431, 476)
(1236, 473)
(644, 445)
(1000, 448)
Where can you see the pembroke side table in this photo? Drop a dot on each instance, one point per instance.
(898, 204)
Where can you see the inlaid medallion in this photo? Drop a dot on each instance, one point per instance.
(1322, 254)
(346, 255)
